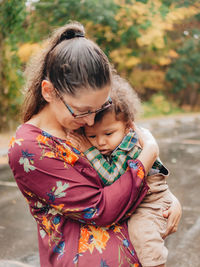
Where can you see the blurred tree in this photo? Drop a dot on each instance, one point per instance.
(145, 39)
(184, 73)
(12, 15)
(144, 46)
(47, 14)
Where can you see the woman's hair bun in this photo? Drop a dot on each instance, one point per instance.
(73, 30)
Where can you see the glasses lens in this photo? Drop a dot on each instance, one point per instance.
(105, 106)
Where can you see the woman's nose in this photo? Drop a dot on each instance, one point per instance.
(89, 120)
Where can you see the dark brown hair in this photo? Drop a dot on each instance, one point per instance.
(70, 62)
(126, 103)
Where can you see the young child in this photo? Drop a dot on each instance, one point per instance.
(114, 142)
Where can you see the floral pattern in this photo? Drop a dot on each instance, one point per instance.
(70, 204)
(59, 150)
(136, 166)
(27, 161)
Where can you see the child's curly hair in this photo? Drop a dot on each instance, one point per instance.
(126, 103)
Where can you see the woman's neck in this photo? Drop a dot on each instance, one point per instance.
(46, 122)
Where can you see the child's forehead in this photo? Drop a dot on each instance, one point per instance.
(105, 123)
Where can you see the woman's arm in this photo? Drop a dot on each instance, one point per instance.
(56, 180)
(150, 149)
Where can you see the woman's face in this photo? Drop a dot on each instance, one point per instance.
(84, 101)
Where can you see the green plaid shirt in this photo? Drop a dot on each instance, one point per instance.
(112, 167)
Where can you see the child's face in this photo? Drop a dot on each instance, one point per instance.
(106, 134)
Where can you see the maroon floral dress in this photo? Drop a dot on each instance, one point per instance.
(80, 222)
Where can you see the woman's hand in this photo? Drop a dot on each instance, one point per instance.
(79, 140)
(174, 215)
(147, 139)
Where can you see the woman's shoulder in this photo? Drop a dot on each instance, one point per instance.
(26, 131)
(32, 142)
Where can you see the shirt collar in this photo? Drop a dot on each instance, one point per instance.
(128, 141)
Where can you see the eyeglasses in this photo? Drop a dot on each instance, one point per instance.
(106, 105)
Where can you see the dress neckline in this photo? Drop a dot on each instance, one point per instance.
(41, 130)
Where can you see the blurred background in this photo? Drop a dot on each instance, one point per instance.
(155, 44)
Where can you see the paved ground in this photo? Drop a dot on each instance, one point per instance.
(179, 141)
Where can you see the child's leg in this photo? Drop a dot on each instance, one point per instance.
(145, 231)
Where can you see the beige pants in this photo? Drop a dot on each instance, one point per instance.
(147, 225)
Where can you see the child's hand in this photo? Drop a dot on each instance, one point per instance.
(79, 140)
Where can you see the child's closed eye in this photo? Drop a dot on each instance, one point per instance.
(109, 133)
(91, 136)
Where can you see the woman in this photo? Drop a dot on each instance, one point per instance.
(80, 222)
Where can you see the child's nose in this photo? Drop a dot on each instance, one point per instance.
(100, 141)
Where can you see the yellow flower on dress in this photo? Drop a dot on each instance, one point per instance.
(42, 139)
(14, 141)
(93, 237)
(47, 224)
(66, 154)
(117, 229)
(50, 154)
(83, 241)
(140, 172)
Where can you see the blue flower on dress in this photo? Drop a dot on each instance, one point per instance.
(104, 264)
(25, 154)
(90, 212)
(51, 197)
(27, 161)
(133, 165)
(91, 237)
(58, 191)
(75, 260)
(56, 220)
(46, 134)
(76, 150)
(126, 243)
(59, 248)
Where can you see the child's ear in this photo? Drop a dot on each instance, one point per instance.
(47, 91)
(130, 125)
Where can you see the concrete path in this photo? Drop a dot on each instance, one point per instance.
(179, 141)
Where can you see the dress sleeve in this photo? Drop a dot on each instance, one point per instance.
(60, 180)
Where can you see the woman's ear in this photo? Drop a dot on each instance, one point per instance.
(47, 91)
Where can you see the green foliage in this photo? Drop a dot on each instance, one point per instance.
(159, 105)
(50, 13)
(12, 15)
(184, 72)
(146, 40)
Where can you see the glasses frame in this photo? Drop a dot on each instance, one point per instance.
(106, 105)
